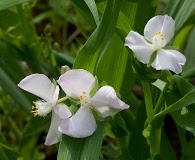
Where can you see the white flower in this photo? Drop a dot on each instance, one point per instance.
(78, 84)
(158, 31)
(40, 85)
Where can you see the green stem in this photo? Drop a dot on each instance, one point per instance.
(158, 104)
(153, 131)
(148, 101)
(62, 99)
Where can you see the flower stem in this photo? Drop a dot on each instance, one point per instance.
(62, 99)
(159, 103)
(148, 101)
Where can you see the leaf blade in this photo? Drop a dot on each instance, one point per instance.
(4, 4)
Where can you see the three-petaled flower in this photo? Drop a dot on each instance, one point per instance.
(158, 31)
(40, 85)
(78, 84)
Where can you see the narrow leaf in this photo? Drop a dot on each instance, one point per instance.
(180, 10)
(9, 86)
(82, 148)
(185, 101)
(185, 120)
(9, 3)
(92, 6)
(88, 56)
(183, 85)
(183, 34)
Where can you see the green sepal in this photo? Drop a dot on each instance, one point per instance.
(73, 109)
(75, 100)
(167, 77)
(95, 88)
(171, 47)
(143, 72)
(152, 58)
(54, 82)
(103, 83)
(96, 115)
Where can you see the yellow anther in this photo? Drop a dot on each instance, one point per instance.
(80, 97)
(33, 107)
(34, 102)
(159, 32)
(35, 114)
(162, 38)
(84, 92)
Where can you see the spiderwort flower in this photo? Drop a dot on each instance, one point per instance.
(78, 84)
(40, 85)
(157, 33)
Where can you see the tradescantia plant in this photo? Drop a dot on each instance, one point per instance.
(41, 86)
(158, 31)
(77, 84)
(123, 95)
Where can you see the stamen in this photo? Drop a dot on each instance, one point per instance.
(35, 114)
(41, 108)
(158, 40)
(84, 99)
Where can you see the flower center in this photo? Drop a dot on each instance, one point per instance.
(41, 108)
(84, 99)
(158, 40)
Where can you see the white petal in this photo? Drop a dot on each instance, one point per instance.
(62, 111)
(142, 49)
(74, 82)
(54, 135)
(165, 24)
(55, 95)
(170, 60)
(106, 102)
(38, 84)
(80, 125)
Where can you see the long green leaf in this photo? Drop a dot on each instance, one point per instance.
(84, 13)
(185, 118)
(9, 3)
(10, 87)
(183, 85)
(185, 101)
(183, 34)
(92, 6)
(88, 56)
(180, 10)
(114, 74)
(84, 148)
(189, 68)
